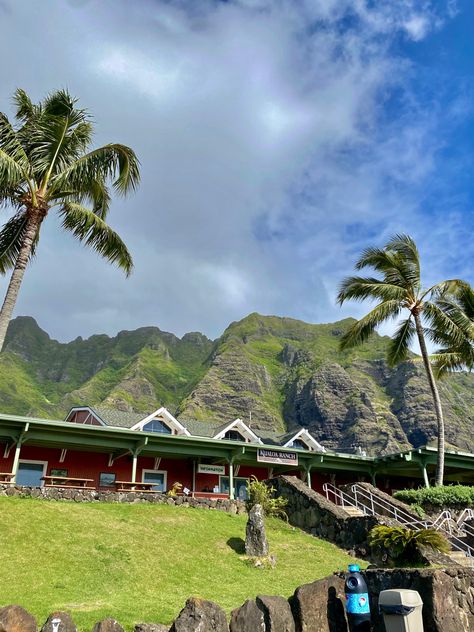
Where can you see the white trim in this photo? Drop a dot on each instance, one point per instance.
(244, 430)
(43, 463)
(78, 409)
(165, 477)
(166, 416)
(308, 439)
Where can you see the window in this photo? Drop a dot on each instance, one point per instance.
(54, 472)
(299, 445)
(155, 476)
(107, 479)
(240, 487)
(156, 425)
(234, 435)
(30, 473)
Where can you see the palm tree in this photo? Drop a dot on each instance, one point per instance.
(398, 290)
(456, 354)
(46, 163)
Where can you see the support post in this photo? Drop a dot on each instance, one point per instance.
(194, 478)
(374, 478)
(231, 480)
(16, 461)
(134, 467)
(16, 458)
(425, 475)
(308, 476)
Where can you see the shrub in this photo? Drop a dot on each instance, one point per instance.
(443, 496)
(258, 493)
(404, 544)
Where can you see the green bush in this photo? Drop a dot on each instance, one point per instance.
(444, 496)
(260, 494)
(404, 544)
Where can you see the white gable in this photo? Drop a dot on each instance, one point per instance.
(304, 436)
(239, 426)
(162, 414)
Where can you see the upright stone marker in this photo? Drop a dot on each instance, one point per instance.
(256, 543)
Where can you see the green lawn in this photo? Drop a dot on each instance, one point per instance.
(139, 563)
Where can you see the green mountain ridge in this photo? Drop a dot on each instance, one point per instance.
(276, 373)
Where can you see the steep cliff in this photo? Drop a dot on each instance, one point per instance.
(275, 373)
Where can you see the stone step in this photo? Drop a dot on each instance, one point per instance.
(353, 511)
(461, 558)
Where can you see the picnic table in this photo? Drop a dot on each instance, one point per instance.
(134, 486)
(71, 482)
(6, 477)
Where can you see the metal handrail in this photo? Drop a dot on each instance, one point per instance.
(398, 514)
(343, 498)
(467, 514)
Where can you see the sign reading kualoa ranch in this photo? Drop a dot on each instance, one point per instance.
(264, 455)
(206, 468)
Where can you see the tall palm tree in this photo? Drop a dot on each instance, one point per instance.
(46, 163)
(399, 290)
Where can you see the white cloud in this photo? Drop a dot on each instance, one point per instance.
(267, 159)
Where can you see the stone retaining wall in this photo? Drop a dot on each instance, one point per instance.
(447, 594)
(157, 498)
(313, 513)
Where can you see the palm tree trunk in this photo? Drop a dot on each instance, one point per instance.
(32, 227)
(436, 399)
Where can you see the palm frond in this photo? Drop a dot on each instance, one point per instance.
(446, 323)
(360, 331)
(90, 229)
(399, 345)
(405, 246)
(360, 288)
(25, 109)
(12, 236)
(112, 162)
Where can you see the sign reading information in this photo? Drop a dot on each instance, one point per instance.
(279, 457)
(204, 468)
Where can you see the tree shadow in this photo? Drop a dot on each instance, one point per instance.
(337, 621)
(237, 545)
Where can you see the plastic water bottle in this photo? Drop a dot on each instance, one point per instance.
(357, 600)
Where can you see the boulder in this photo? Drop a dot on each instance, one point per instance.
(151, 627)
(318, 607)
(199, 615)
(108, 625)
(256, 543)
(277, 614)
(247, 618)
(16, 619)
(59, 622)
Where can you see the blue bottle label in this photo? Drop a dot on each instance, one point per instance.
(358, 604)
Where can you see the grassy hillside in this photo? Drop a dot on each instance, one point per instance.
(139, 563)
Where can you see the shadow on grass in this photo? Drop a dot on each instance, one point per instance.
(237, 545)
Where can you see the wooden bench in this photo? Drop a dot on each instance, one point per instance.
(69, 482)
(6, 477)
(68, 486)
(135, 486)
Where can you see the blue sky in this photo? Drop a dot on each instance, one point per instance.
(277, 139)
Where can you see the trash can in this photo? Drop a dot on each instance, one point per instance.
(401, 609)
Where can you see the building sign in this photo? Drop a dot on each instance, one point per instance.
(204, 468)
(278, 457)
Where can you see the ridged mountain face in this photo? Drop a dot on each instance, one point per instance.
(275, 373)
